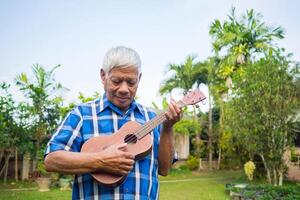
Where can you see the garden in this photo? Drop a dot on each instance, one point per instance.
(247, 146)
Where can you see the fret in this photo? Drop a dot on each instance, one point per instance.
(150, 125)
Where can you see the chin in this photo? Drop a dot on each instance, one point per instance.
(122, 106)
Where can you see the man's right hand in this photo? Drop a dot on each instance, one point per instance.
(114, 159)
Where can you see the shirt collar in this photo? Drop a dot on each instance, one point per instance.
(104, 103)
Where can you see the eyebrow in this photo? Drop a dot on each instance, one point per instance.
(124, 78)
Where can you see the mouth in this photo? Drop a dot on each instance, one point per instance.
(122, 99)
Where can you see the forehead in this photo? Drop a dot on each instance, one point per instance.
(124, 72)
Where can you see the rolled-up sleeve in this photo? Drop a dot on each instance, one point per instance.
(67, 136)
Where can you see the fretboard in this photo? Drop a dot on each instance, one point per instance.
(150, 125)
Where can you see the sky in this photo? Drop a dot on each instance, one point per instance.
(76, 34)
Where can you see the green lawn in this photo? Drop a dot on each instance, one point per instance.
(178, 185)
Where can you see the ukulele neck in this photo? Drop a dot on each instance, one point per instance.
(150, 125)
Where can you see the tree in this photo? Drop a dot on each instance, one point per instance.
(242, 40)
(184, 77)
(12, 134)
(262, 111)
(44, 101)
(7, 127)
(236, 43)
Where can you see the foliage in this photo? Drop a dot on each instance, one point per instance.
(43, 105)
(263, 105)
(192, 162)
(184, 76)
(14, 127)
(249, 168)
(294, 155)
(237, 43)
(164, 104)
(41, 168)
(41, 91)
(269, 192)
(7, 125)
(240, 39)
(187, 127)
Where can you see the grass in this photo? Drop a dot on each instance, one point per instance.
(180, 184)
(191, 185)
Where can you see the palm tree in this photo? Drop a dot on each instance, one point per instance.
(241, 40)
(41, 91)
(185, 76)
(236, 43)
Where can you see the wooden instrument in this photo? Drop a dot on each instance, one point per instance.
(139, 142)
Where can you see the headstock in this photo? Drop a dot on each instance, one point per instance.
(192, 98)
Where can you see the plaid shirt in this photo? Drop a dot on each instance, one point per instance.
(102, 117)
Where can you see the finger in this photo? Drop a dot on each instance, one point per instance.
(126, 167)
(176, 108)
(121, 146)
(128, 155)
(168, 116)
(123, 172)
(172, 111)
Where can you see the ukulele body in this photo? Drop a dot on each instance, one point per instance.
(140, 148)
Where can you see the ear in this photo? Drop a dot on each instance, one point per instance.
(102, 75)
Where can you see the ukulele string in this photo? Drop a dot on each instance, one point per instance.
(132, 137)
(149, 126)
(145, 129)
(136, 134)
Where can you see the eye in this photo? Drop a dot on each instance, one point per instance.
(116, 81)
(131, 82)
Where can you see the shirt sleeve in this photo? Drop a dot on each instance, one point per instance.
(67, 136)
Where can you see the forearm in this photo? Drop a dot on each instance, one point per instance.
(165, 151)
(70, 162)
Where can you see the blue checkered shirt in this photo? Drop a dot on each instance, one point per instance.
(102, 117)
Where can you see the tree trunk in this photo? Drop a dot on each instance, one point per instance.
(6, 168)
(198, 138)
(219, 158)
(280, 178)
(269, 178)
(1, 154)
(275, 176)
(221, 121)
(36, 159)
(6, 159)
(16, 164)
(209, 143)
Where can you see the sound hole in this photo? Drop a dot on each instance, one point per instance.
(131, 138)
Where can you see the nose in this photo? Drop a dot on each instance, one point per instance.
(123, 89)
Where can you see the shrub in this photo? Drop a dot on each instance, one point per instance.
(269, 192)
(192, 162)
(249, 168)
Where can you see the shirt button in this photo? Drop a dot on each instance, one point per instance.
(126, 190)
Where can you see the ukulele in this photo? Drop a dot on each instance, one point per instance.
(139, 141)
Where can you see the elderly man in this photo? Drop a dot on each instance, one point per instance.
(120, 75)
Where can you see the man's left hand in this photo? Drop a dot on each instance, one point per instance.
(173, 115)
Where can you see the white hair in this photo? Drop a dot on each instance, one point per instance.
(123, 57)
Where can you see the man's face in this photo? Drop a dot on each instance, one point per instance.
(120, 85)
